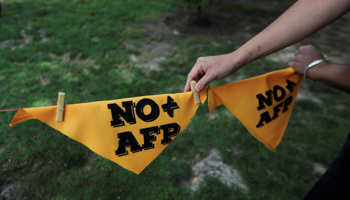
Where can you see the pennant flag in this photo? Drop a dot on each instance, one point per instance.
(134, 131)
(263, 104)
(131, 132)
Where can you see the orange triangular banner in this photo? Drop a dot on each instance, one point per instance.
(263, 103)
(131, 132)
(134, 131)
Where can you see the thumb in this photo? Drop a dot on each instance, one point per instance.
(202, 83)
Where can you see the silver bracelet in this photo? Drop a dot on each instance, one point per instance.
(311, 65)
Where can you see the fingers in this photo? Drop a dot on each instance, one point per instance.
(291, 64)
(295, 61)
(303, 57)
(193, 75)
(296, 53)
(197, 73)
(204, 81)
(188, 86)
(294, 65)
(208, 69)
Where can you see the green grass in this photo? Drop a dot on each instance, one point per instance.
(44, 164)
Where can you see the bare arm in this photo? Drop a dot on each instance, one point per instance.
(301, 20)
(334, 75)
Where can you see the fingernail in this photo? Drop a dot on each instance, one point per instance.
(197, 88)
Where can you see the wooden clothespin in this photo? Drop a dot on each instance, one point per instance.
(60, 106)
(195, 94)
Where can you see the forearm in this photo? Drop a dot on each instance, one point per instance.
(334, 75)
(304, 18)
(301, 20)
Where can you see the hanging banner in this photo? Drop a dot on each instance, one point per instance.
(263, 104)
(134, 131)
(131, 132)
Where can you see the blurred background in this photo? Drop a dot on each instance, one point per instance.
(102, 50)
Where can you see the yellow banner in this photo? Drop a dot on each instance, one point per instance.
(131, 132)
(134, 131)
(263, 104)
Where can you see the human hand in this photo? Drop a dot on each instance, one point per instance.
(208, 69)
(304, 57)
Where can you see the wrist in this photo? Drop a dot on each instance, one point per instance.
(239, 58)
(315, 72)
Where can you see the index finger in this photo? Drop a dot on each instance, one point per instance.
(189, 79)
(193, 75)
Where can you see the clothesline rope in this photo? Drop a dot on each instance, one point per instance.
(10, 110)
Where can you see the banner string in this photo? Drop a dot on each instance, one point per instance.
(337, 54)
(10, 110)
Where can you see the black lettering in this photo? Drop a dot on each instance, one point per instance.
(169, 130)
(170, 106)
(148, 136)
(275, 93)
(262, 99)
(264, 117)
(117, 113)
(153, 115)
(276, 110)
(290, 85)
(127, 139)
(287, 102)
